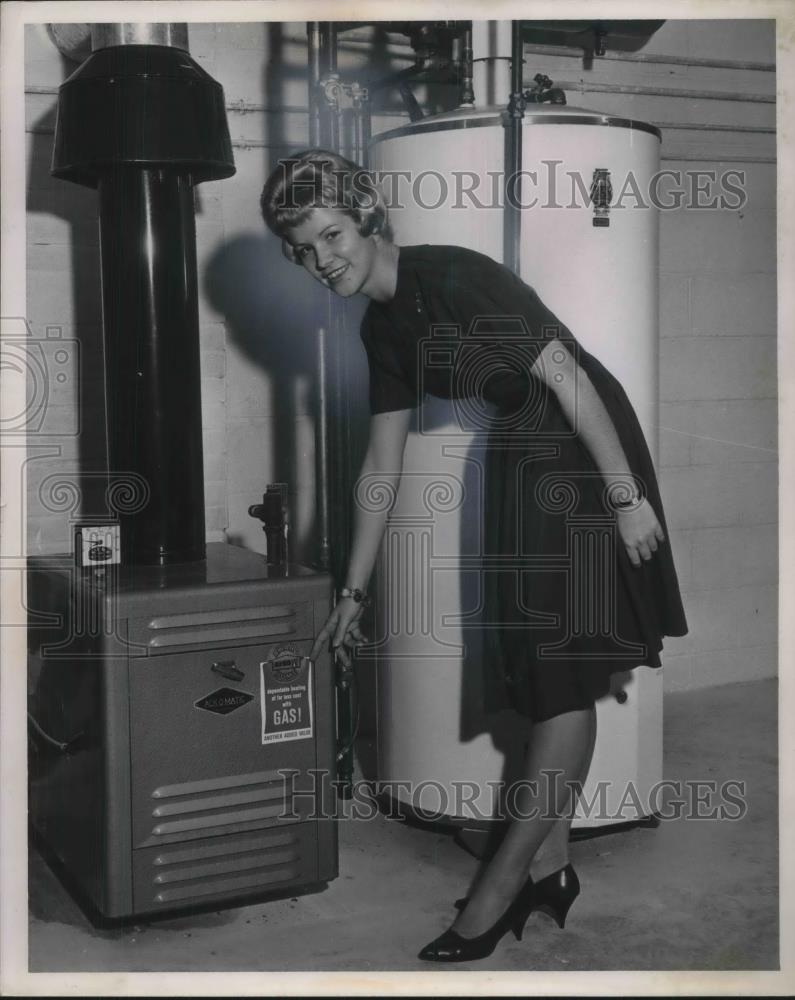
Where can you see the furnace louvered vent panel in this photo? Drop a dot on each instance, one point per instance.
(251, 864)
(210, 807)
(231, 625)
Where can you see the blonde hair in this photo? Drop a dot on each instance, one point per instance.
(318, 178)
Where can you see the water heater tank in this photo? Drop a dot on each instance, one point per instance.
(593, 259)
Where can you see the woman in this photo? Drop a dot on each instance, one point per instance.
(578, 430)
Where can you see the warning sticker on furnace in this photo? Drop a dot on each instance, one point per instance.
(286, 696)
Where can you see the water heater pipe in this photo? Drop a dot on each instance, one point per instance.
(512, 221)
(467, 90)
(491, 62)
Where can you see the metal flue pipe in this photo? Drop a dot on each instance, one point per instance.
(143, 123)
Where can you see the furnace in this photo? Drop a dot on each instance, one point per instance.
(184, 741)
(182, 738)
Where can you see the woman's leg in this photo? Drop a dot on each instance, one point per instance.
(557, 753)
(553, 854)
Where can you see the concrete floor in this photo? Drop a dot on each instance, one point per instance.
(689, 895)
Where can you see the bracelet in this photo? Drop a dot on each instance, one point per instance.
(628, 504)
(358, 595)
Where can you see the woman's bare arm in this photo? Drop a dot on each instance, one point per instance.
(374, 495)
(376, 489)
(639, 528)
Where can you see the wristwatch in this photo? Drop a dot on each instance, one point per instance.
(358, 595)
(630, 504)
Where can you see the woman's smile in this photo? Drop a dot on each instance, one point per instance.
(331, 248)
(337, 273)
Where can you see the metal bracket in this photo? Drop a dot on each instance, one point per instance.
(341, 96)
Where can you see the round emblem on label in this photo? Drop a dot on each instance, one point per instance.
(285, 663)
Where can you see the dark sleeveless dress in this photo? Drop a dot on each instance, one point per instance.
(564, 608)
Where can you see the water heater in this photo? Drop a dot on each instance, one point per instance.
(589, 247)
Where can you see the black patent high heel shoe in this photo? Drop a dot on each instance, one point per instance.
(452, 947)
(555, 894)
(461, 903)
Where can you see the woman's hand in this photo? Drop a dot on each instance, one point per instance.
(342, 627)
(640, 531)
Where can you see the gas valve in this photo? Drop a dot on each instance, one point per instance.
(273, 513)
(544, 92)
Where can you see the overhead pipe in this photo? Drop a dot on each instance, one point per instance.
(467, 84)
(328, 50)
(410, 102)
(314, 45)
(330, 137)
(324, 131)
(313, 83)
(366, 130)
(335, 396)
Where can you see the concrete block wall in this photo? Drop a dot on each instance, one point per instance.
(709, 85)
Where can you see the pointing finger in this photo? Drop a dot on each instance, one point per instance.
(339, 636)
(321, 638)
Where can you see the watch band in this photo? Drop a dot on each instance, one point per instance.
(629, 504)
(358, 595)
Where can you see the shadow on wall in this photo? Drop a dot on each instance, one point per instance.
(272, 310)
(271, 307)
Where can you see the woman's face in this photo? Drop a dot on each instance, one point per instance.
(330, 246)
